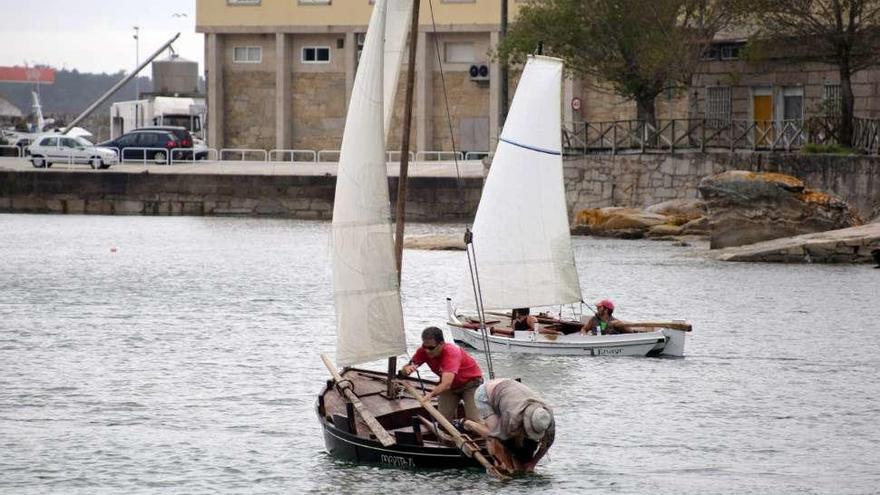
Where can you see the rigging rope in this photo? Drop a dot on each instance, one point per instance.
(478, 297)
(471, 253)
(445, 94)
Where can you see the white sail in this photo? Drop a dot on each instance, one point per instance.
(397, 26)
(369, 316)
(521, 231)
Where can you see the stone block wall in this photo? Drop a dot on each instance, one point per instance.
(395, 133)
(642, 180)
(467, 99)
(318, 110)
(311, 197)
(249, 101)
(602, 103)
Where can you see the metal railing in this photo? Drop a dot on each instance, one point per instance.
(194, 156)
(279, 155)
(671, 135)
(159, 156)
(395, 156)
(244, 153)
(866, 135)
(438, 156)
(5, 154)
(323, 154)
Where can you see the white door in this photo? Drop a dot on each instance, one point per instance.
(71, 151)
(50, 148)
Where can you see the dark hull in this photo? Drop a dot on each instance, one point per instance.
(416, 446)
(351, 448)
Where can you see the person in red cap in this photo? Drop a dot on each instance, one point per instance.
(603, 322)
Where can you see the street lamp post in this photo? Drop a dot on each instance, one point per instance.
(503, 82)
(137, 85)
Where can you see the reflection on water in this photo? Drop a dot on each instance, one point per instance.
(187, 361)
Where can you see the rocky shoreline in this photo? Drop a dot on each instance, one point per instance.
(745, 216)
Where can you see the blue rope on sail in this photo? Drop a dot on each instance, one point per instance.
(532, 148)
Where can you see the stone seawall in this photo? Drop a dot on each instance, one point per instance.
(303, 197)
(590, 182)
(638, 181)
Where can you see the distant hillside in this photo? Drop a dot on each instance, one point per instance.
(72, 92)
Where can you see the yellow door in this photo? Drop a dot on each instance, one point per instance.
(763, 113)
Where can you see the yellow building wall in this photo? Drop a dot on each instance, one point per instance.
(218, 14)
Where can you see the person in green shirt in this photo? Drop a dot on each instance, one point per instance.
(603, 322)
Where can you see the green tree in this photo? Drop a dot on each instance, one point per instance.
(843, 33)
(639, 48)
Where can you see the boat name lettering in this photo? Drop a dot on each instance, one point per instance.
(396, 460)
(614, 351)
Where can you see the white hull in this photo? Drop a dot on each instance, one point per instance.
(640, 344)
(662, 342)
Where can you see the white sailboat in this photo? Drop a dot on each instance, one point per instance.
(522, 240)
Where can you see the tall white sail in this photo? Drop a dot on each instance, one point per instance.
(369, 316)
(521, 231)
(397, 26)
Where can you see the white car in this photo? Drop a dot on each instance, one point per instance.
(58, 148)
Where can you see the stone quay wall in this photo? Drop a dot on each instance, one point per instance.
(641, 180)
(301, 197)
(590, 182)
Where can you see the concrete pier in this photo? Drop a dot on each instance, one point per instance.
(303, 191)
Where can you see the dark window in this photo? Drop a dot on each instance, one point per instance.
(722, 51)
(149, 140)
(316, 54)
(793, 107)
(730, 52)
(127, 141)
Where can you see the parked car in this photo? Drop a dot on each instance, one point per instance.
(186, 139)
(58, 148)
(151, 144)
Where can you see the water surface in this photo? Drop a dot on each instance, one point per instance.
(180, 355)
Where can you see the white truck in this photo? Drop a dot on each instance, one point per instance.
(126, 116)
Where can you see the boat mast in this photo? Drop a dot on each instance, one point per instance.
(404, 145)
(400, 214)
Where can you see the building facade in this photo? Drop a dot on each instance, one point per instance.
(730, 87)
(279, 73)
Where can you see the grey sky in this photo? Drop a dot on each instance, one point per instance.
(94, 35)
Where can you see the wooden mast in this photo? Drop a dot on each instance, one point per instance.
(404, 144)
(400, 216)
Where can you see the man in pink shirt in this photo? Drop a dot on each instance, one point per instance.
(459, 373)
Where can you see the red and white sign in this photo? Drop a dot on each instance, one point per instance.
(576, 103)
(31, 75)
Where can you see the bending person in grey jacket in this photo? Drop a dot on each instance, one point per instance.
(517, 423)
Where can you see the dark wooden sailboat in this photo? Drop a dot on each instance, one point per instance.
(373, 416)
(417, 442)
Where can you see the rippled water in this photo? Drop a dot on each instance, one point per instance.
(187, 362)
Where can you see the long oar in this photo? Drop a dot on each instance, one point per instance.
(659, 324)
(463, 442)
(344, 386)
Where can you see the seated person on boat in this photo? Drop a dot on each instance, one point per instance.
(603, 322)
(459, 373)
(517, 423)
(522, 320)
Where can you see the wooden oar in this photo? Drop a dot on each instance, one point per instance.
(500, 313)
(344, 386)
(657, 324)
(463, 442)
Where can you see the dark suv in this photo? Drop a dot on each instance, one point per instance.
(144, 143)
